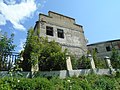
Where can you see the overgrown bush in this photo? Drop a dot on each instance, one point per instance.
(104, 84)
(89, 82)
(6, 47)
(84, 63)
(115, 59)
(118, 73)
(48, 54)
(99, 62)
(74, 61)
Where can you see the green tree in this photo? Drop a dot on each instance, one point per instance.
(99, 62)
(115, 59)
(6, 47)
(74, 61)
(31, 50)
(84, 63)
(37, 49)
(52, 57)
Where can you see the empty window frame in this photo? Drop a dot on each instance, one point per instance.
(49, 30)
(118, 45)
(96, 50)
(60, 33)
(108, 48)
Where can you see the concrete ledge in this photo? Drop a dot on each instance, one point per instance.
(61, 74)
(102, 71)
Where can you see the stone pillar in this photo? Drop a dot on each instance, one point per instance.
(91, 61)
(21, 58)
(68, 63)
(112, 71)
(108, 63)
(34, 69)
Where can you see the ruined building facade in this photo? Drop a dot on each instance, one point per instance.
(105, 48)
(63, 30)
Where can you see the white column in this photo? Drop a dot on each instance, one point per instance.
(112, 71)
(91, 61)
(68, 63)
(108, 62)
(35, 67)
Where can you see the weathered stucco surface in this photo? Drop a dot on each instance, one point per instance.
(74, 39)
(105, 48)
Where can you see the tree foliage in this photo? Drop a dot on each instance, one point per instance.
(6, 43)
(6, 47)
(84, 63)
(115, 59)
(99, 62)
(37, 49)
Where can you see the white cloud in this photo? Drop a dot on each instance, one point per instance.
(22, 42)
(17, 13)
(11, 2)
(2, 20)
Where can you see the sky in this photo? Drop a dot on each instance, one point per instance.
(100, 18)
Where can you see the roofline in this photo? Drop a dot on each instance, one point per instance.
(44, 15)
(61, 15)
(78, 25)
(103, 42)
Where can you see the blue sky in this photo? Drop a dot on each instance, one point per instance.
(99, 18)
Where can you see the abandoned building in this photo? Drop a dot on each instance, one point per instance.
(63, 30)
(105, 48)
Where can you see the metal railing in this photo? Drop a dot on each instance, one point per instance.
(7, 60)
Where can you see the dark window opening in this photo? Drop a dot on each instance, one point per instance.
(96, 50)
(49, 30)
(119, 45)
(108, 48)
(60, 33)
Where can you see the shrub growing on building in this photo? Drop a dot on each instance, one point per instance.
(49, 55)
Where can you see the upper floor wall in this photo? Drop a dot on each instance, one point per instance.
(60, 20)
(63, 30)
(105, 48)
